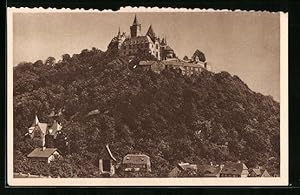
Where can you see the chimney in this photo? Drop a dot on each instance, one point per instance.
(211, 164)
(238, 161)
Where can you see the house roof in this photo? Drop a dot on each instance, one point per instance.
(54, 128)
(137, 40)
(256, 171)
(265, 173)
(147, 63)
(233, 168)
(174, 172)
(151, 33)
(209, 170)
(185, 166)
(43, 127)
(40, 153)
(35, 121)
(177, 62)
(168, 48)
(136, 159)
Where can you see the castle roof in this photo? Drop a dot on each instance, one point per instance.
(135, 21)
(137, 40)
(169, 49)
(151, 33)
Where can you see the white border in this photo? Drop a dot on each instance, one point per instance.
(279, 181)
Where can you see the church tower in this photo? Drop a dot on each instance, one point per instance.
(135, 29)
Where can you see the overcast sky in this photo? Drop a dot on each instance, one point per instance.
(244, 44)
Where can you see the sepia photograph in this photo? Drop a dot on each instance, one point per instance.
(147, 97)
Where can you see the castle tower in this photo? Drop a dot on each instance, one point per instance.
(135, 28)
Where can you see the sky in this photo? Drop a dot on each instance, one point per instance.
(246, 44)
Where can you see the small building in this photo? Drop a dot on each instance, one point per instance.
(136, 162)
(232, 169)
(155, 66)
(185, 166)
(175, 172)
(37, 132)
(258, 172)
(107, 162)
(186, 68)
(51, 134)
(209, 170)
(182, 167)
(44, 154)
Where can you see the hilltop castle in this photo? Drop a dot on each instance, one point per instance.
(137, 43)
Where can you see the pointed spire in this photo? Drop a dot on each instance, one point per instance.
(36, 121)
(151, 33)
(135, 21)
(119, 32)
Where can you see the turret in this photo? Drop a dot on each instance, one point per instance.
(135, 29)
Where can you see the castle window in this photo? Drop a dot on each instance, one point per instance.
(156, 46)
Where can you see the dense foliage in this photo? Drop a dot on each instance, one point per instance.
(170, 117)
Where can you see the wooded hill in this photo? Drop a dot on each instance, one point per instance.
(168, 116)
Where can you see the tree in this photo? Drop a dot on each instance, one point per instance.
(50, 61)
(66, 58)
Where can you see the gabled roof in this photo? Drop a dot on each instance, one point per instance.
(233, 168)
(35, 121)
(151, 33)
(54, 128)
(256, 171)
(174, 172)
(265, 173)
(40, 153)
(136, 159)
(43, 127)
(209, 170)
(185, 166)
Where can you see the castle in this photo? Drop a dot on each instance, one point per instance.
(137, 43)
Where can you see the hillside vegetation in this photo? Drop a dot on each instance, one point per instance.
(170, 117)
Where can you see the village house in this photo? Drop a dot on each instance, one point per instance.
(182, 167)
(45, 134)
(209, 170)
(51, 134)
(232, 169)
(197, 170)
(107, 162)
(258, 172)
(37, 132)
(45, 155)
(136, 162)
